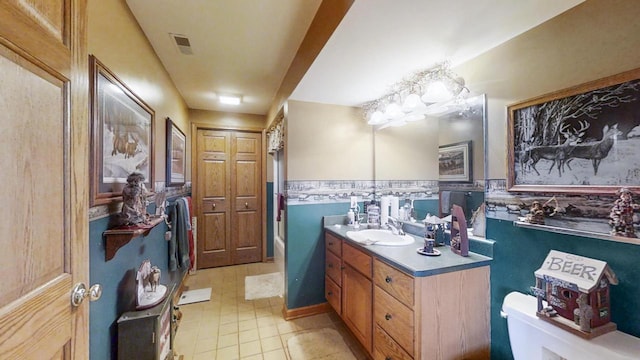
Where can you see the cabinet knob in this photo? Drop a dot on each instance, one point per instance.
(330, 293)
(388, 279)
(387, 317)
(388, 358)
(330, 265)
(246, 205)
(213, 206)
(330, 243)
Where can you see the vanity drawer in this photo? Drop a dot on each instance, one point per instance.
(333, 267)
(333, 244)
(357, 259)
(333, 294)
(394, 318)
(394, 281)
(386, 348)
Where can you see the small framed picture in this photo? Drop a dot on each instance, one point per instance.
(454, 162)
(176, 155)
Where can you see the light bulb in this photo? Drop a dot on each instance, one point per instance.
(436, 92)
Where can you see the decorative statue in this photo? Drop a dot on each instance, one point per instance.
(149, 290)
(621, 215)
(134, 207)
(584, 313)
(536, 214)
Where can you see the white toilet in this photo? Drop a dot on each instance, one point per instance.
(535, 339)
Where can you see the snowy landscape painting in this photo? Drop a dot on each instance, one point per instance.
(582, 140)
(122, 136)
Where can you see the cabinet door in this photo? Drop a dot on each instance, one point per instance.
(357, 305)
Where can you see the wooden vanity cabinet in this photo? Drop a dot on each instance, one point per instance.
(333, 272)
(443, 316)
(401, 317)
(349, 287)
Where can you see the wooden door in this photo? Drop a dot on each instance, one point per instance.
(357, 305)
(44, 165)
(246, 240)
(213, 190)
(228, 197)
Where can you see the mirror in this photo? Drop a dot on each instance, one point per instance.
(406, 158)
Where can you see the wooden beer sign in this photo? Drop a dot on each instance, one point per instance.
(576, 290)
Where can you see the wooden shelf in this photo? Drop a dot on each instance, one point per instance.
(577, 232)
(117, 238)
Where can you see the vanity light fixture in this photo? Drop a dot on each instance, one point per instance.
(230, 99)
(423, 93)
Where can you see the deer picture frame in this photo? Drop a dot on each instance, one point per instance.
(121, 136)
(581, 140)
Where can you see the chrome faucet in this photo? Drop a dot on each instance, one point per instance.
(395, 226)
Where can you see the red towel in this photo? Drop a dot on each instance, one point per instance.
(280, 206)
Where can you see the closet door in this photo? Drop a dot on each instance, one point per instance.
(246, 189)
(229, 195)
(213, 187)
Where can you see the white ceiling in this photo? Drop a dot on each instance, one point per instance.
(246, 46)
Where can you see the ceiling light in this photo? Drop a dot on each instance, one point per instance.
(230, 99)
(408, 99)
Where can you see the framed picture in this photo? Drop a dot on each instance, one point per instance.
(121, 135)
(454, 162)
(176, 154)
(581, 140)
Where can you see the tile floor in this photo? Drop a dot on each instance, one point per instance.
(229, 327)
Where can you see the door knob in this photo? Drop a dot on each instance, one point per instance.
(80, 292)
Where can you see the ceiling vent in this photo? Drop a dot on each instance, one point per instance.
(183, 44)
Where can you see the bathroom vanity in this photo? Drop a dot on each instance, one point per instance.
(402, 305)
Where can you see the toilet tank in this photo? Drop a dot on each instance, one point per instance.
(535, 339)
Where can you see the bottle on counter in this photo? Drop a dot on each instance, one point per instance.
(373, 215)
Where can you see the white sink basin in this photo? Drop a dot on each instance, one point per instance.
(379, 237)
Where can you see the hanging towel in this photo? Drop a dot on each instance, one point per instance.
(192, 253)
(179, 242)
(458, 198)
(280, 206)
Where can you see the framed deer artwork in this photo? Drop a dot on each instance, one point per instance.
(121, 135)
(581, 140)
(176, 155)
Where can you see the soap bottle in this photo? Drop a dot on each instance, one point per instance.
(373, 215)
(352, 217)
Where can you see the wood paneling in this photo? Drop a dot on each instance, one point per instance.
(455, 315)
(44, 107)
(357, 305)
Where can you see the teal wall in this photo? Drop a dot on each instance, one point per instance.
(425, 206)
(519, 252)
(118, 279)
(304, 252)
